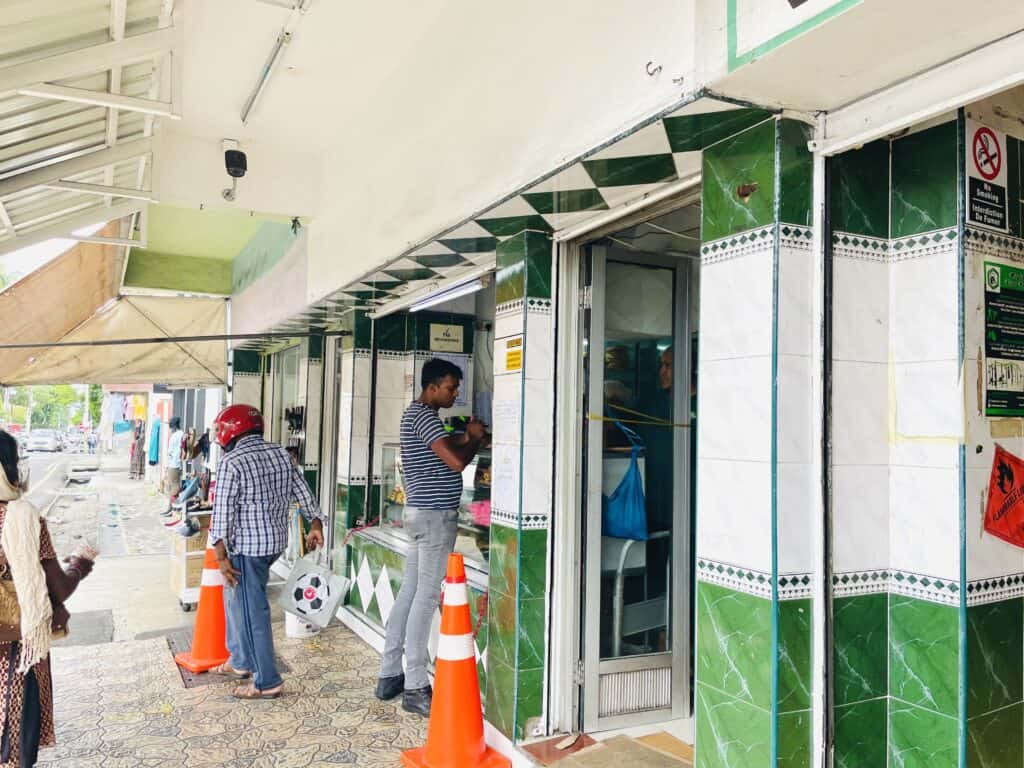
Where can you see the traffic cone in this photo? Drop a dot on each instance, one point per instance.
(208, 648)
(455, 736)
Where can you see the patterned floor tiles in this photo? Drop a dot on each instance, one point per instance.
(122, 705)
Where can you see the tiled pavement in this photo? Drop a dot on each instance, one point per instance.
(122, 705)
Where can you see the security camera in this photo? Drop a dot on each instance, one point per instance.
(236, 166)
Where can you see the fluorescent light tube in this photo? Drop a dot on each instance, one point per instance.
(449, 295)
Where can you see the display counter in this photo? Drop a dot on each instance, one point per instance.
(473, 538)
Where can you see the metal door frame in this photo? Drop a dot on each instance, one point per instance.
(682, 573)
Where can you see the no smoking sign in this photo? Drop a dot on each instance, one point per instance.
(986, 177)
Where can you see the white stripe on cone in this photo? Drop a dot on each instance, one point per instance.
(455, 594)
(455, 647)
(212, 577)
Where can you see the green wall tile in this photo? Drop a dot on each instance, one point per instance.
(513, 225)
(730, 733)
(796, 172)
(924, 664)
(747, 159)
(501, 628)
(438, 260)
(567, 201)
(524, 267)
(996, 740)
(529, 698)
(315, 346)
(920, 738)
(313, 481)
(500, 698)
(538, 265)
(860, 648)
(356, 505)
(244, 361)
(794, 655)
(417, 329)
(859, 195)
(734, 643)
(690, 133)
(531, 633)
(924, 181)
(503, 560)
(362, 330)
(627, 171)
(533, 563)
(995, 655)
(389, 332)
(1013, 185)
(860, 734)
(794, 745)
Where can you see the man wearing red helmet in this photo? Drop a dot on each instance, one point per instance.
(256, 485)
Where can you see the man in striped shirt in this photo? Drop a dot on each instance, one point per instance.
(432, 464)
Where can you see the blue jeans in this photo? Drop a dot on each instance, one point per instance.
(432, 533)
(247, 613)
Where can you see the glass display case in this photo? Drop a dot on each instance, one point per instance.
(473, 537)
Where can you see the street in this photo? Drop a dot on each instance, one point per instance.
(48, 473)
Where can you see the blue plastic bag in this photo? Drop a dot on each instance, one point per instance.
(624, 512)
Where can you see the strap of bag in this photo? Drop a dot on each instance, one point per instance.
(634, 439)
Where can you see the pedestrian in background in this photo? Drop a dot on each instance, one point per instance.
(172, 482)
(256, 484)
(432, 465)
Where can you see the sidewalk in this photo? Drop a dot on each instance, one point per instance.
(122, 705)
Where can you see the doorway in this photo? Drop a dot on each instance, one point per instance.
(637, 325)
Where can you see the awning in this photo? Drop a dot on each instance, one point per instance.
(133, 317)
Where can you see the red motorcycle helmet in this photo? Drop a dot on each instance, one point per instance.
(236, 420)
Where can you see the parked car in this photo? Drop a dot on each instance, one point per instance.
(44, 440)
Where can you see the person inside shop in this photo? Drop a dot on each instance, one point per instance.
(175, 464)
(432, 462)
(29, 622)
(257, 482)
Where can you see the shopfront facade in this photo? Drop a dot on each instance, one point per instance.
(776, 325)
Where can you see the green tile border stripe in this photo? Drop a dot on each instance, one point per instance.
(995, 588)
(934, 589)
(791, 586)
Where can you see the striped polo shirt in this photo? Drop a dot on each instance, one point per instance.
(429, 482)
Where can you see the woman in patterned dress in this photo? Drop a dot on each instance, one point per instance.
(27, 558)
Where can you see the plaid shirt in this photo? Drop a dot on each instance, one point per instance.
(256, 484)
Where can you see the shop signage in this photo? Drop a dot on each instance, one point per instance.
(1004, 340)
(514, 354)
(445, 338)
(986, 177)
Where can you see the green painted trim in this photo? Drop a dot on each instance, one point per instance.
(774, 454)
(170, 272)
(737, 60)
(961, 152)
(267, 246)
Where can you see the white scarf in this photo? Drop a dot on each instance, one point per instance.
(20, 543)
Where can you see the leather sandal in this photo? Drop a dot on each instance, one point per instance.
(250, 691)
(227, 670)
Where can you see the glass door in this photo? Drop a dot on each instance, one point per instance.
(636, 516)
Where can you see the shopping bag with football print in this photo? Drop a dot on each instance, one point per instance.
(313, 591)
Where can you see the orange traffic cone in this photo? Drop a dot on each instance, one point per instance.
(208, 648)
(455, 737)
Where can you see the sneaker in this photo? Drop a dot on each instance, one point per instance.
(389, 687)
(418, 701)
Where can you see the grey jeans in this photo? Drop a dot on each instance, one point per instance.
(432, 538)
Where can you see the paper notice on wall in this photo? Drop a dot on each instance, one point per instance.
(986, 177)
(508, 355)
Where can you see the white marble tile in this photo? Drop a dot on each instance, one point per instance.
(734, 512)
(537, 473)
(938, 453)
(389, 415)
(924, 515)
(734, 418)
(391, 377)
(797, 331)
(860, 406)
(359, 451)
(344, 456)
(795, 409)
(860, 518)
(929, 400)
(507, 409)
(361, 377)
(539, 346)
(860, 311)
(924, 308)
(345, 372)
(509, 324)
(987, 556)
(359, 417)
(736, 307)
(539, 417)
(797, 486)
